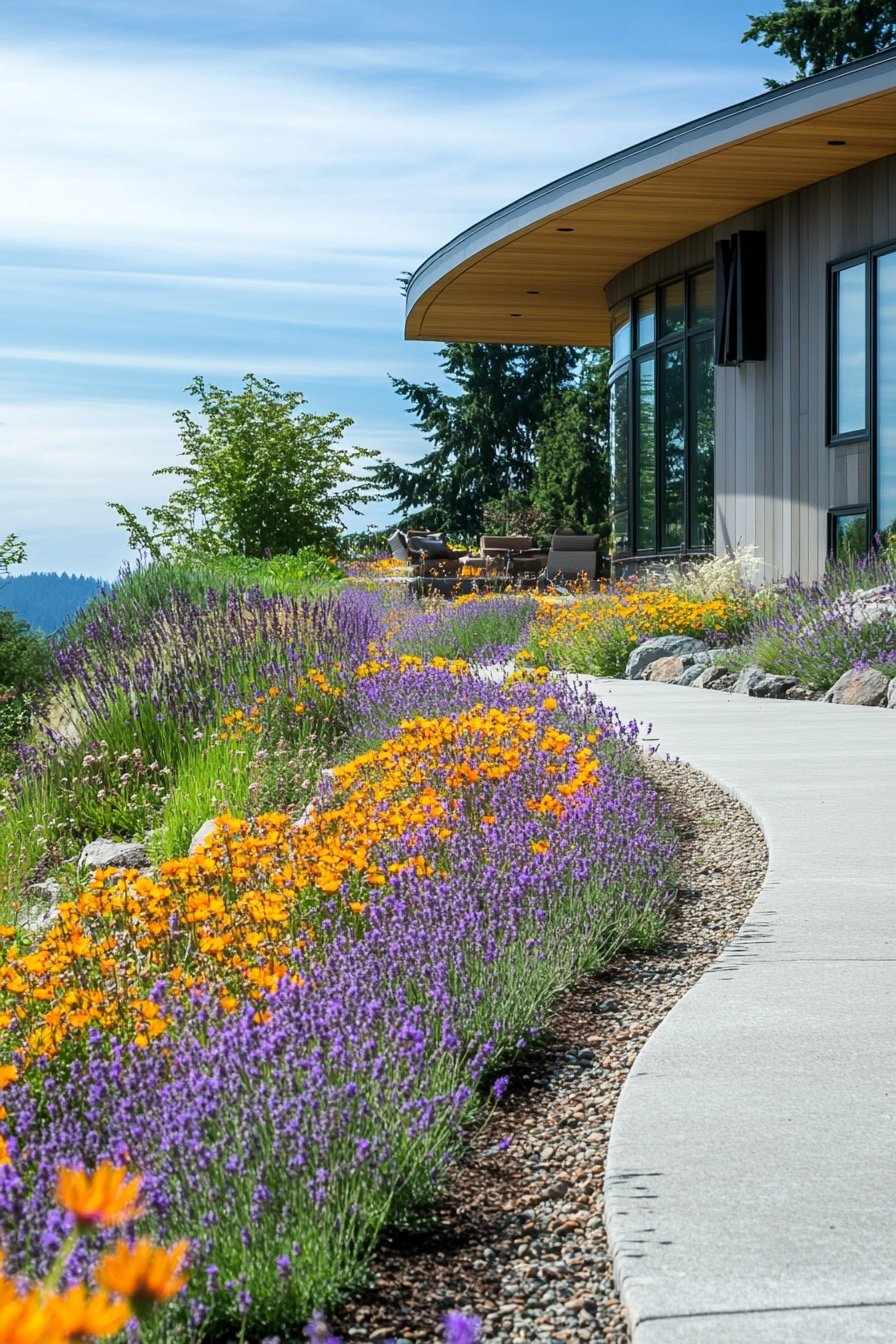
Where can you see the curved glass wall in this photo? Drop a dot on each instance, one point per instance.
(662, 409)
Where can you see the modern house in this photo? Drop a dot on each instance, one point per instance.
(742, 269)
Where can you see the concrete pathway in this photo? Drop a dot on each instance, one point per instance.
(751, 1178)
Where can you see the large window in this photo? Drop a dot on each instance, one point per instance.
(662, 408)
(863, 368)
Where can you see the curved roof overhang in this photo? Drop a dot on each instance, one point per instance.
(567, 240)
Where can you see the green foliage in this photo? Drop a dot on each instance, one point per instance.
(572, 476)
(263, 477)
(816, 35)
(213, 778)
(483, 436)
(12, 552)
(24, 656)
(514, 514)
(289, 574)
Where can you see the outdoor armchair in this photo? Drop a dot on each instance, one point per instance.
(571, 556)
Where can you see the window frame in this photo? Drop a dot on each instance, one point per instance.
(655, 349)
(869, 256)
(847, 511)
(834, 269)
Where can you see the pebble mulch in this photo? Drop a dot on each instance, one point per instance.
(518, 1236)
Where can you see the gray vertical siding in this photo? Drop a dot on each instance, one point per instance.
(776, 477)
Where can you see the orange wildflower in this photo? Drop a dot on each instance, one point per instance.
(105, 1199)
(143, 1273)
(78, 1314)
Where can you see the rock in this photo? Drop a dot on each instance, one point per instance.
(39, 907)
(715, 678)
(891, 694)
(205, 830)
(753, 681)
(872, 604)
(666, 646)
(859, 687)
(667, 669)
(691, 674)
(801, 693)
(113, 854)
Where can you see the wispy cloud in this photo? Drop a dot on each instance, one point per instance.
(324, 150)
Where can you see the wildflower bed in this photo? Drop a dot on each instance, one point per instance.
(311, 1011)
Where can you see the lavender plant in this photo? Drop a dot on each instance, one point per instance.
(816, 632)
(336, 1109)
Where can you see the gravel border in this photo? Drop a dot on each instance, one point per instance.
(518, 1235)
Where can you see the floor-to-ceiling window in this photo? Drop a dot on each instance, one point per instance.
(662, 418)
(863, 370)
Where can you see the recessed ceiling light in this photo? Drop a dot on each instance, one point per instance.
(836, 142)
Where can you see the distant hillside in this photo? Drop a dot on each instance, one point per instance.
(46, 601)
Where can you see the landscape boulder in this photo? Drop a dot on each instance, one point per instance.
(113, 854)
(665, 646)
(199, 839)
(714, 678)
(39, 907)
(690, 674)
(865, 686)
(668, 670)
(751, 680)
(801, 693)
(891, 694)
(872, 604)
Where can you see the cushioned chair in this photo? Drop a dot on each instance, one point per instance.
(432, 554)
(571, 556)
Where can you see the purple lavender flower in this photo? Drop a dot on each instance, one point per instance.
(460, 1328)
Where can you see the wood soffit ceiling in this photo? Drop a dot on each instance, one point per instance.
(478, 297)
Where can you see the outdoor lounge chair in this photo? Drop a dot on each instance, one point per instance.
(431, 554)
(571, 556)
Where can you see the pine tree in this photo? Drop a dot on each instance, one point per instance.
(817, 35)
(571, 482)
(483, 436)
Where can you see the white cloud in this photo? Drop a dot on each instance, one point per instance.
(298, 366)
(312, 153)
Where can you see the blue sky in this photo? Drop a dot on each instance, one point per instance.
(231, 187)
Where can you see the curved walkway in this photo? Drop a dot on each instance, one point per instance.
(751, 1177)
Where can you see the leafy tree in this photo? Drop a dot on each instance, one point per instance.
(514, 514)
(12, 552)
(572, 479)
(483, 436)
(816, 35)
(263, 477)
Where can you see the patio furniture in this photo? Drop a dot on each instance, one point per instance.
(571, 556)
(513, 556)
(431, 554)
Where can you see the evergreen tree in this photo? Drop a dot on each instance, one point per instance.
(483, 437)
(816, 35)
(571, 482)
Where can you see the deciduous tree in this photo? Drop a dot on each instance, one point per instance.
(262, 477)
